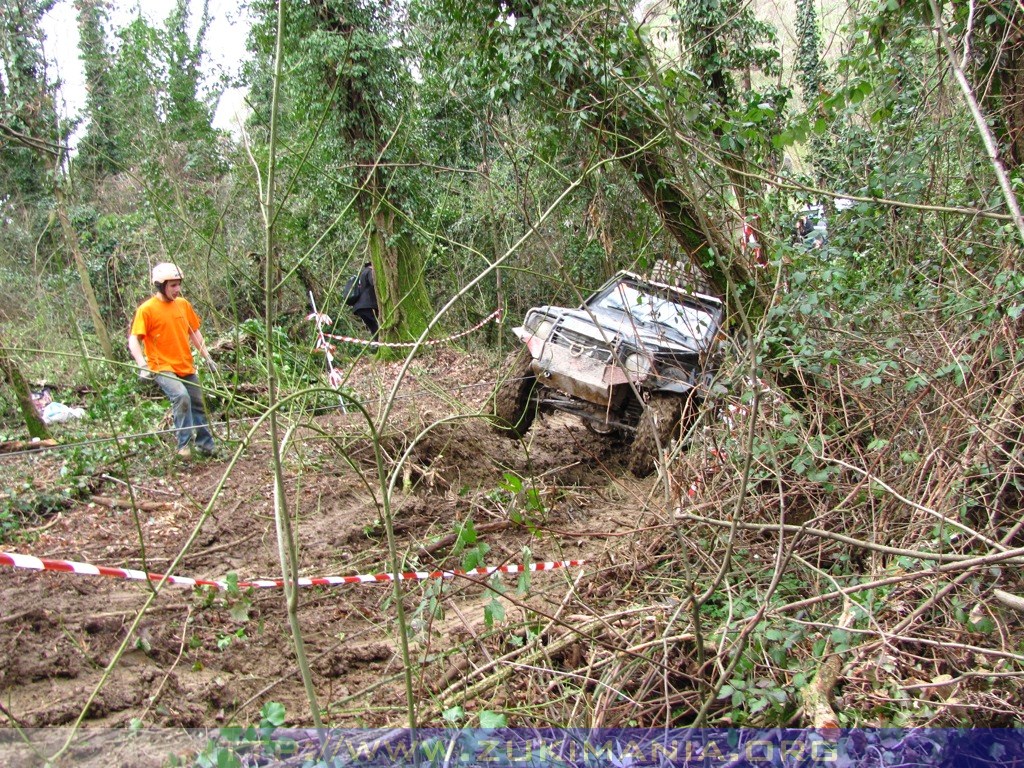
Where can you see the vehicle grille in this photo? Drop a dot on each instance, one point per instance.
(582, 345)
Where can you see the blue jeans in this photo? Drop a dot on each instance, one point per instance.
(189, 410)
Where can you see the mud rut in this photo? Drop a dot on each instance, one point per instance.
(196, 661)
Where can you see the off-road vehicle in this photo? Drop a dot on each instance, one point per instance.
(634, 360)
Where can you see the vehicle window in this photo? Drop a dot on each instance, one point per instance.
(649, 309)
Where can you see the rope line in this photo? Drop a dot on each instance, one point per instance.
(329, 348)
(32, 563)
(334, 378)
(173, 430)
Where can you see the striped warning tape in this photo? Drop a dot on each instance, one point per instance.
(394, 345)
(69, 566)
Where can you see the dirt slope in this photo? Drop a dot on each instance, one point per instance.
(195, 660)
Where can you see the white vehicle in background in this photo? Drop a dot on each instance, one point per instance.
(812, 227)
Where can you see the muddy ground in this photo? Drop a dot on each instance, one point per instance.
(199, 658)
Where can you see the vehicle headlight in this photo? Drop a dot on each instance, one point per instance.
(540, 326)
(678, 375)
(638, 366)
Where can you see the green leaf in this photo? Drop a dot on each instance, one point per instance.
(984, 625)
(239, 611)
(467, 533)
(454, 714)
(783, 140)
(490, 719)
(512, 483)
(493, 612)
(273, 712)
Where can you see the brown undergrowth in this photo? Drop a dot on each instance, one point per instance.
(786, 567)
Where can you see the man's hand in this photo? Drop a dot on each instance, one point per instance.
(145, 374)
(212, 366)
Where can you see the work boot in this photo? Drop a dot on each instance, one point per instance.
(185, 453)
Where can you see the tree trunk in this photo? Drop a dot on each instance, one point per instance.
(12, 374)
(728, 276)
(71, 238)
(404, 304)
(1011, 84)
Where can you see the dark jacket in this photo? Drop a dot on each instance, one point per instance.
(367, 298)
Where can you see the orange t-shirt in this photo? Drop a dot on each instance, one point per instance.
(163, 327)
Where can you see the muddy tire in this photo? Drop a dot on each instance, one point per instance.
(658, 423)
(514, 405)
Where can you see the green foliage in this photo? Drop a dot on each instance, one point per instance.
(31, 131)
(294, 367)
(233, 742)
(765, 687)
(100, 154)
(163, 118)
(472, 551)
(29, 498)
(23, 505)
(810, 67)
(524, 502)
(345, 103)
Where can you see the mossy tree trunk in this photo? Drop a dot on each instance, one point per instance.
(12, 375)
(404, 301)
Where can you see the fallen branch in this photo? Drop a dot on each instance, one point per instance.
(44, 527)
(15, 446)
(816, 696)
(145, 506)
(450, 539)
(1010, 601)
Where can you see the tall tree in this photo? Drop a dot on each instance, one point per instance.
(35, 138)
(149, 125)
(991, 36)
(348, 88)
(812, 76)
(29, 131)
(100, 153)
(722, 40)
(592, 70)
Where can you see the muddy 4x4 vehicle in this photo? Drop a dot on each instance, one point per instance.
(634, 360)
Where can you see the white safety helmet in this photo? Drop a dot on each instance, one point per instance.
(166, 271)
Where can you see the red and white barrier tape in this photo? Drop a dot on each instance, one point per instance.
(398, 344)
(69, 566)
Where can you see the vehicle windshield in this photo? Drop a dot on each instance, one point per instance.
(652, 309)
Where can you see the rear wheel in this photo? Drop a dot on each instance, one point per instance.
(514, 404)
(599, 427)
(657, 425)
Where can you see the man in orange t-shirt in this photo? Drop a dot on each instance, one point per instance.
(163, 327)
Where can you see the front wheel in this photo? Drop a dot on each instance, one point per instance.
(657, 424)
(514, 404)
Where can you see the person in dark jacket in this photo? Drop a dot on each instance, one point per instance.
(365, 307)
